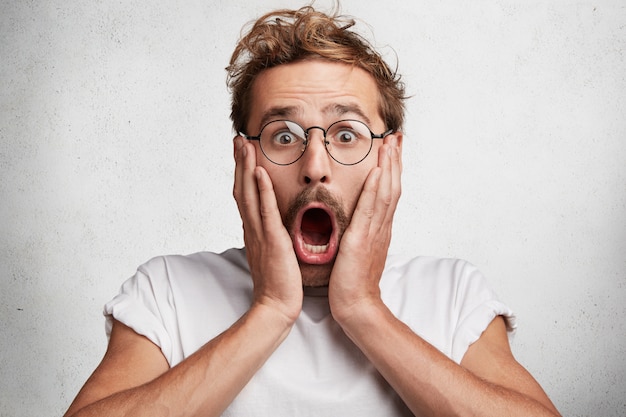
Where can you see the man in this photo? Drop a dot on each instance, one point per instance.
(312, 318)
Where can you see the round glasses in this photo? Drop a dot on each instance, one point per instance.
(348, 142)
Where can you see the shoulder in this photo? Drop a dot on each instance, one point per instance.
(231, 258)
(162, 300)
(443, 281)
(172, 277)
(429, 271)
(448, 301)
(196, 262)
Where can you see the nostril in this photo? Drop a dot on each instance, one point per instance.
(308, 179)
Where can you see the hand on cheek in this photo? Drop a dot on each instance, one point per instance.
(354, 281)
(272, 260)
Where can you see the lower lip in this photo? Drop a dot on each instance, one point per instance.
(315, 256)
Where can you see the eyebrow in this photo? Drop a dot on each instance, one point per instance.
(288, 112)
(343, 109)
(274, 113)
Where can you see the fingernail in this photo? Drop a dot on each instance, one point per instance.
(238, 142)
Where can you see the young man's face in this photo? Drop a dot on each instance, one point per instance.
(316, 195)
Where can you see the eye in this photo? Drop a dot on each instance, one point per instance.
(346, 136)
(285, 138)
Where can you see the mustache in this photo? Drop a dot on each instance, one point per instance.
(321, 195)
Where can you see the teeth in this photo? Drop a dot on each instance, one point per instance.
(316, 248)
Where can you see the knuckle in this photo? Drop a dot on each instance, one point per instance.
(368, 212)
(245, 203)
(265, 211)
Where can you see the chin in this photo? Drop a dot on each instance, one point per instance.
(315, 275)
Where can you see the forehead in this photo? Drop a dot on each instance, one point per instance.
(313, 91)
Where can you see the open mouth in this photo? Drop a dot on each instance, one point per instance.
(316, 229)
(315, 235)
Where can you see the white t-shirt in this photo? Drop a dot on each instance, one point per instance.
(182, 302)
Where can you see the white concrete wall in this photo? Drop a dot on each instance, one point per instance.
(115, 146)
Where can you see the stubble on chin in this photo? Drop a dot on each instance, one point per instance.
(316, 275)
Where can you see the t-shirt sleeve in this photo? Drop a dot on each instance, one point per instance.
(145, 305)
(479, 305)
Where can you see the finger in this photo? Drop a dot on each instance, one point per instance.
(246, 190)
(376, 195)
(237, 145)
(268, 206)
(396, 172)
(395, 140)
(364, 210)
(384, 193)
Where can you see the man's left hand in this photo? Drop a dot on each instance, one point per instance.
(354, 281)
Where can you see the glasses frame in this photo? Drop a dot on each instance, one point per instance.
(326, 142)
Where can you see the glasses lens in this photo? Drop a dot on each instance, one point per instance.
(283, 142)
(348, 141)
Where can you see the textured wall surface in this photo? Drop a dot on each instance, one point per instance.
(115, 146)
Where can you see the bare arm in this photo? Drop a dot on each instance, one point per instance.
(134, 378)
(489, 383)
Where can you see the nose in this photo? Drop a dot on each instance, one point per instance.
(315, 163)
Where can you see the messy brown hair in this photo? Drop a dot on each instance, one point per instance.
(286, 36)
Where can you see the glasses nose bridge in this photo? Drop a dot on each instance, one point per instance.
(324, 131)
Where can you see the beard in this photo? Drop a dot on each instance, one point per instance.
(317, 275)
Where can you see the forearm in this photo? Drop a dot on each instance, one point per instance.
(429, 382)
(207, 382)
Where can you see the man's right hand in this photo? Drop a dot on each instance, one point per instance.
(134, 378)
(269, 249)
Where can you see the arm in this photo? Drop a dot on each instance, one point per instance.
(134, 378)
(489, 382)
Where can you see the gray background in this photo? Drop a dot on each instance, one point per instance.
(115, 146)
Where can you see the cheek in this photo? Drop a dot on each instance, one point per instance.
(283, 181)
(351, 190)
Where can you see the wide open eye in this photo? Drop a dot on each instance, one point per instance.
(348, 133)
(284, 138)
(345, 136)
(281, 134)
